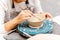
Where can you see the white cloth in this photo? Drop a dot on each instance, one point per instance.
(56, 19)
(45, 37)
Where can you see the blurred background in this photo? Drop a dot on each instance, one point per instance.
(52, 6)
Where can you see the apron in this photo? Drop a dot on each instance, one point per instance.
(16, 9)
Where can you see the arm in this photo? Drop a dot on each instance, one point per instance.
(11, 24)
(5, 27)
(18, 19)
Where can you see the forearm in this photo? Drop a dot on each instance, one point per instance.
(11, 24)
(18, 19)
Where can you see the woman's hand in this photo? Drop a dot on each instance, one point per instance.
(47, 15)
(26, 14)
(18, 19)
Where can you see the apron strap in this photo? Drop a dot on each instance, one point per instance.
(26, 2)
(13, 6)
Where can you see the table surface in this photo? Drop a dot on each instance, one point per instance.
(16, 36)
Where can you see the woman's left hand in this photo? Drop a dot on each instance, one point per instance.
(48, 15)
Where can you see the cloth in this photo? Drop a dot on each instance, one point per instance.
(56, 19)
(45, 37)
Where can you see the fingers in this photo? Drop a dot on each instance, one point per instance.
(26, 14)
(32, 14)
(25, 18)
(47, 15)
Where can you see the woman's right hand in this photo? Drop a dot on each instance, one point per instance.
(23, 15)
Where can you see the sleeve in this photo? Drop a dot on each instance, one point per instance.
(37, 6)
(2, 14)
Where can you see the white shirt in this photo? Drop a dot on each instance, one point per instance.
(6, 6)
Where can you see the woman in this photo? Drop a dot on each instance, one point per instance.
(6, 7)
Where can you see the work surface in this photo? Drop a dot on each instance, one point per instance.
(16, 36)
